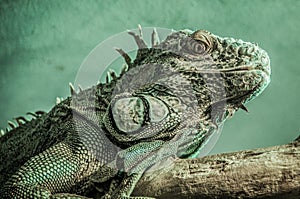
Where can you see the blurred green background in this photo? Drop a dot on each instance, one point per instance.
(44, 42)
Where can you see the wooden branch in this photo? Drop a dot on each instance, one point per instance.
(272, 172)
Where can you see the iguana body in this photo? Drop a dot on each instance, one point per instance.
(167, 103)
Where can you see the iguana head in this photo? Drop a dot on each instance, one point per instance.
(191, 80)
(226, 69)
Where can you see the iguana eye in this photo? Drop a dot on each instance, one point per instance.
(201, 42)
(197, 47)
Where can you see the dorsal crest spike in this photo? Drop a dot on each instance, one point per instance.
(79, 87)
(113, 74)
(72, 89)
(124, 55)
(139, 41)
(140, 30)
(32, 114)
(39, 113)
(11, 124)
(21, 120)
(58, 100)
(124, 69)
(154, 38)
(108, 78)
(2, 132)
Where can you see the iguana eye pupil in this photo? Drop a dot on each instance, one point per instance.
(197, 47)
(194, 47)
(198, 43)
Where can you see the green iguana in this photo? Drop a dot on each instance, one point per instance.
(167, 102)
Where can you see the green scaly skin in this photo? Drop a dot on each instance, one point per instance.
(166, 103)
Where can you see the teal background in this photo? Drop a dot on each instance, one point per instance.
(42, 44)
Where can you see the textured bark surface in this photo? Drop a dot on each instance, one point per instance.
(272, 172)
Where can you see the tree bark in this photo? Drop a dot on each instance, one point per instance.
(272, 172)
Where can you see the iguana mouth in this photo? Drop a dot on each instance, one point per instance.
(235, 69)
(244, 68)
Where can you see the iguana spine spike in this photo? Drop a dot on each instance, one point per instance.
(32, 114)
(39, 113)
(79, 87)
(124, 55)
(2, 132)
(154, 38)
(113, 74)
(124, 69)
(139, 41)
(58, 100)
(108, 78)
(140, 30)
(21, 120)
(72, 89)
(11, 124)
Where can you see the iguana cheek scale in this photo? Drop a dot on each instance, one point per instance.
(167, 102)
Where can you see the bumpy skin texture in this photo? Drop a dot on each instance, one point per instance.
(166, 103)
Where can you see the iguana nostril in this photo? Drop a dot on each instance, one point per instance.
(265, 59)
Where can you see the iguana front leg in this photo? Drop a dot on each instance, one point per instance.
(123, 189)
(120, 187)
(50, 174)
(136, 160)
(132, 162)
